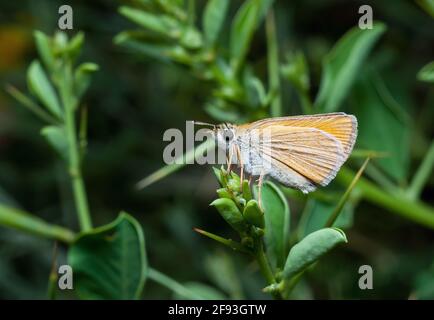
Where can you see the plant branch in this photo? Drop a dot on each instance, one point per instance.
(346, 195)
(179, 163)
(234, 245)
(78, 187)
(172, 285)
(422, 174)
(413, 210)
(30, 105)
(23, 221)
(264, 266)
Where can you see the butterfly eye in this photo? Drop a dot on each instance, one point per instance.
(228, 135)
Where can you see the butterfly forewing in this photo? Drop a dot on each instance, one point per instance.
(304, 151)
(310, 152)
(340, 125)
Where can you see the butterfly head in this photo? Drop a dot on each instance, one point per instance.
(225, 134)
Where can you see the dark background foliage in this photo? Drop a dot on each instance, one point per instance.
(133, 100)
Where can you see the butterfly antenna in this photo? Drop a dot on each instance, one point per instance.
(204, 124)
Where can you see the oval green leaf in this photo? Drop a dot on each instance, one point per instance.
(43, 44)
(109, 262)
(311, 248)
(388, 131)
(427, 73)
(161, 24)
(342, 64)
(253, 214)
(243, 26)
(83, 77)
(56, 136)
(41, 87)
(213, 18)
(277, 223)
(318, 212)
(230, 212)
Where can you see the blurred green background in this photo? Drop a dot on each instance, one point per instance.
(133, 99)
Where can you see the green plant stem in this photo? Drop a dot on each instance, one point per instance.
(82, 135)
(191, 12)
(289, 285)
(234, 245)
(413, 210)
(306, 103)
(422, 174)
(75, 173)
(23, 221)
(273, 64)
(343, 200)
(78, 187)
(167, 170)
(52, 278)
(32, 106)
(264, 265)
(172, 285)
(265, 268)
(381, 179)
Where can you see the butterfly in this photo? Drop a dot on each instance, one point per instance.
(301, 152)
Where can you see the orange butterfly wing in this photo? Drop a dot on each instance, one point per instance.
(314, 147)
(340, 125)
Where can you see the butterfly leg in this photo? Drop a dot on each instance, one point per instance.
(241, 164)
(229, 160)
(260, 182)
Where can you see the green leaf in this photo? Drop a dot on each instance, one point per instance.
(219, 175)
(191, 38)
(41, 87)
(381, 126)
(221, 114)
(163, 24)
(255, 91)
(247, 193)
(75, 45)
(221, 269)
(43, 44)
(277, 223)
(230, 212)
(83, 77)
(424, 285)
(243, 26)
(427, 5)
(341, 66)
(60, 42)
(318, 212)
(213, 19)
(296, 71)
(310, 249)
(427, 73)
(253, 214)
(264, 7)
(201, 291)
(224, 193)
(109, 262)
(130, 40)
(56, 136)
